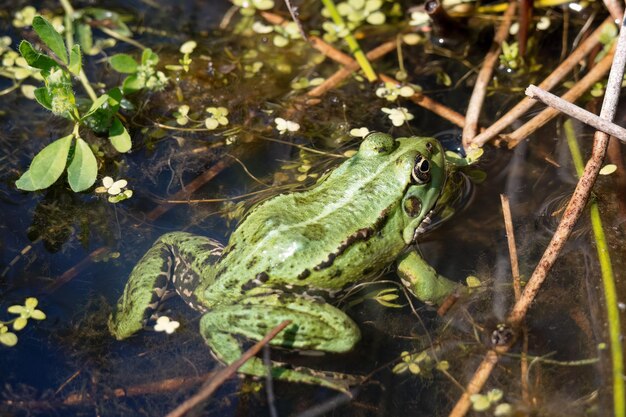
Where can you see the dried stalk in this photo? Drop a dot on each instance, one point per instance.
(576, 112)
(510, 238)
(484, 77)
(547, 84)
(580, 88)
(206, 391)
(571, 215)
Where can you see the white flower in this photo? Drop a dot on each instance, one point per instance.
(359, 132)
(111, 187)
(398, 116)
(283, 125)
(164, 324)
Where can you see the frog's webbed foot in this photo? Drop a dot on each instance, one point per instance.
(174, 263)
(314, 326)
(423, 281)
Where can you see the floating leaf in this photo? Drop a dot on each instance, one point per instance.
(119, 137)
(123, 63)
(76, 57)
(36, 59)
(50, 37)
(132, 83)
(608, 169)
(82, 171)
(47, 166)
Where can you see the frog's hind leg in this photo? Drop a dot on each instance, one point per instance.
(176, 260)
(314, 325)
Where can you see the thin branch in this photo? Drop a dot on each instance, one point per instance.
(576, 112)
(547, 84)
(571, 215)
(484, 77)
(580, 88)
(206, 391)
(510, 238)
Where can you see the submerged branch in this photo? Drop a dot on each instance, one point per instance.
(226, 373)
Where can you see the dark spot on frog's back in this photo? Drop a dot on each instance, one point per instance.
(228, 250)
(262, 276)
(314, 232)
(304, 274)
(248, 286)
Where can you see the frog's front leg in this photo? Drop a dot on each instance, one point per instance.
(178, 258)
(315, 325)
(423, 281)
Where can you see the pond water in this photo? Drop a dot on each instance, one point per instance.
(74, 251)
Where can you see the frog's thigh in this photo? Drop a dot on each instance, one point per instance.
(314, 326)
(422, 280)
(171, 256)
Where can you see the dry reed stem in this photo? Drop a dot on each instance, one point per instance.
(571, 215)
(510, 238)
(484, 77)
(343, 73)
(208, 389)
(615, 9)
(547, 84)
(580, 88)
(576, 112)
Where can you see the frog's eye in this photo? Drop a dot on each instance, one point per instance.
(421, 170)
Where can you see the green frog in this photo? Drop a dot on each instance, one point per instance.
(295, 253)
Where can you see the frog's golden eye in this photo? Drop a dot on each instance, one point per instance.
(421, 170)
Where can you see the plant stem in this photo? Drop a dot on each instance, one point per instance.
(608, 281)
(351, 41)
(69, 40)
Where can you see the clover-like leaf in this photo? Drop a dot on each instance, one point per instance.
(36, 59)
(47, 166)
(83, 169)
(119, 137)
(50, 37)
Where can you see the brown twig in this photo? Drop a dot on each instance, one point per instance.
(484, 77)
(576, 112)
(547, 84)
(615, 9)
(571, 215)
(206, 391)
(580, 88)
(510, 238)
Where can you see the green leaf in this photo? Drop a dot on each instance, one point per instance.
(50, 37)
(36, 59)
(132, 83)
(75, 60)
(43, 97)
(119, 137)
(47, 166)
(82, 171)
(8, 339)
(149, 58)
(95, 105)
(123, 63)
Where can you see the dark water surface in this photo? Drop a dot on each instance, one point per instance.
(69, 365)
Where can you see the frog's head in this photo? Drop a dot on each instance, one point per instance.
(419, 166)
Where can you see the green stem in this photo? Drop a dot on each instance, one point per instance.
(69, 40)
(608, 282)
(351, 41)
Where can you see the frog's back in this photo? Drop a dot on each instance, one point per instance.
(323, 237)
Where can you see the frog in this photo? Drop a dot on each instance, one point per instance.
(293, 255)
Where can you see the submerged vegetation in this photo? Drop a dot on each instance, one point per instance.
(199, 121)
